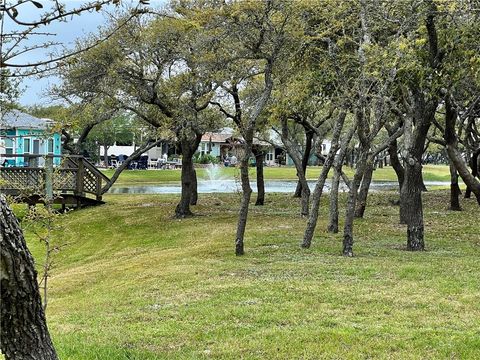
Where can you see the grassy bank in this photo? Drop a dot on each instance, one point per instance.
(430, 173)
(133, 283)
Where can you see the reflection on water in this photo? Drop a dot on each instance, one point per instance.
(230, 186)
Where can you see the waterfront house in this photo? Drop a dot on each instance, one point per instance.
(26, 135)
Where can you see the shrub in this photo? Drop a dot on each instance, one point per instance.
(205, 159)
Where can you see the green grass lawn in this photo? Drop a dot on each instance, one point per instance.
(133, 283)
(430, 173)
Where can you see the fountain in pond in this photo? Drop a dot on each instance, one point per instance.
(216, 181)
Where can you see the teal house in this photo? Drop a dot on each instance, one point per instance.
(26, 135)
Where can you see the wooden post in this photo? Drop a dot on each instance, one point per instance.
(48, 180)
(80, 173)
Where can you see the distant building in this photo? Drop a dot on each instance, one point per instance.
(24, 134)
(224, 144)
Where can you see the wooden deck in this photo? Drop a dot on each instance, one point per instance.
(77, 182)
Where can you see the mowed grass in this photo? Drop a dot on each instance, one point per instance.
(134, 283)
(430, 173)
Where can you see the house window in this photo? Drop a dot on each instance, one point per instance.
(50, 146)
(8, 146)
(26, 146)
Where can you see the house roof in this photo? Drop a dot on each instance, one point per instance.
(17, 119)
(216, 137)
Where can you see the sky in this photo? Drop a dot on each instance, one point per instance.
(34, 89)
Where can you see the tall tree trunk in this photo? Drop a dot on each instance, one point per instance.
(24, 332)
(259, 160)
(454, 189)
(337, 175)
(183, 208)
(412, 207)
(352, 198)
(305, 158)
(190, 144)
(105, 155)
(317, 193)
(246, 194)
(333, 219)
(364, 188)
(194, 186)
(395, 162)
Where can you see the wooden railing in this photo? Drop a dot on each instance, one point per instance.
(75, 175)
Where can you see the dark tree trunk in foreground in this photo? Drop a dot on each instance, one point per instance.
(246, 194)
(317, 193)
(259, 160)
(411, 205)
(194, 196)
(364, 187)
(24, 332)
(306, 156)
(189, 146)
(454, 189)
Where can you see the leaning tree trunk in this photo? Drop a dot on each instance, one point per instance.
(364, 188)
(333, 220)
(474, 165)
(454, 154)
(350, 211)
(305, 158)
(259, 159)
(337, 175)
(246, 194)
(24, 332)
(317, 193)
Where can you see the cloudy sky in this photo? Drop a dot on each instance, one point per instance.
(65, 33)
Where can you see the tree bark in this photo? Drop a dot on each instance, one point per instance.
(189, 146)
(352, 198)
(337, 175)
(194, 186)
(454, 189)
(259, 159)
(305, 158)
(364, 188)
(294, 152)
(246, 194)
(333, 219)
(395, 162)
(24, 332)
(411, 203)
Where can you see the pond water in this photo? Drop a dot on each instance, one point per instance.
(231, 186)
(216, 182)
